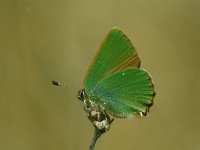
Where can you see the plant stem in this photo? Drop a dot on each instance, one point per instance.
(96, 135)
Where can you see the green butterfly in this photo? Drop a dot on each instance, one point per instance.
(114, 84)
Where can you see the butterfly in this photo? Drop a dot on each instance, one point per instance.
(114, 84)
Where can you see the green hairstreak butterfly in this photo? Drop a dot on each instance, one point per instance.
(115, 85)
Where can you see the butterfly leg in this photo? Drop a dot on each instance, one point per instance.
(103, 121)
(98, 116)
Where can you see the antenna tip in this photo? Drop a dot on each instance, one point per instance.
(56, 83)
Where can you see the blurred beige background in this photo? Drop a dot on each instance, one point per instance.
(44, 40)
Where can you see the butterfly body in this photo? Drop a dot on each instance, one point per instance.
(96, 113)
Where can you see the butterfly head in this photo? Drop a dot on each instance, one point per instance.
(81, 95)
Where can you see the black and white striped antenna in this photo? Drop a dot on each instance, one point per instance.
(56, 83)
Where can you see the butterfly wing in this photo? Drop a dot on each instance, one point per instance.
(114, 79)
(125, 93)
(116, 53)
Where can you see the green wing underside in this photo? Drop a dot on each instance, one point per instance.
(125, 93)
(115, 80)
(115, 53)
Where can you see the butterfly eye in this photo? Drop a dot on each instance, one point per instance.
(81, 95)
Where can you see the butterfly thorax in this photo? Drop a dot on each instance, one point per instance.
(96, 113)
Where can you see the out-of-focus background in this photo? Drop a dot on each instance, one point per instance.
(44, 40)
